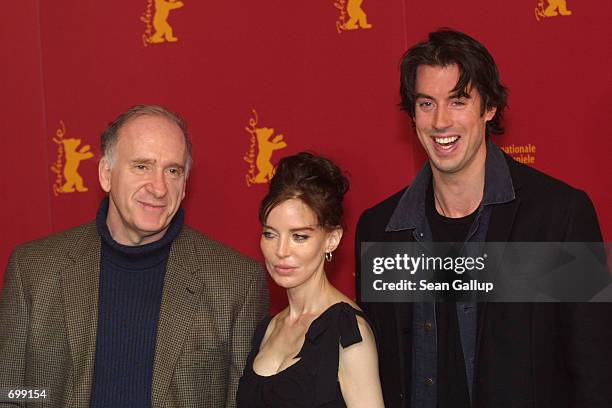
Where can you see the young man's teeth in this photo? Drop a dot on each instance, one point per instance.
(446, 140)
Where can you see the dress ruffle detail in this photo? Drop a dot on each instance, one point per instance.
(337, 325)
(313, 380)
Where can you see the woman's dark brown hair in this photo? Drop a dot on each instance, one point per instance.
(315, 180)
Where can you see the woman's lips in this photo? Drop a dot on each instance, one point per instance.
(284, 269)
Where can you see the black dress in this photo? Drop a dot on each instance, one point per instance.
(313, 380)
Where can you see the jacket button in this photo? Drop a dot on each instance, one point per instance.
(429, 381)
(428, 326)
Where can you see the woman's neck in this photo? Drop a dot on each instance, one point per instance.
(311, 297)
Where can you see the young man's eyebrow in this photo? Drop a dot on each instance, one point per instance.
(461, 94)
(422, 95)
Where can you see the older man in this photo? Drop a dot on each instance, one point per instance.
(134, 309)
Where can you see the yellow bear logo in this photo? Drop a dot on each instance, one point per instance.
(555, 8)
(66, 165)
(73, 159)
(263, 145)
(163, 30)
(265, 148)
(357, 17)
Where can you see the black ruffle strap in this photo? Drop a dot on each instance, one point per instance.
(336, 326)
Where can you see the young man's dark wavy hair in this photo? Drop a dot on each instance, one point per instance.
(477, 68)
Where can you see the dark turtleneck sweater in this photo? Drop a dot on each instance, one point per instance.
(131, 285)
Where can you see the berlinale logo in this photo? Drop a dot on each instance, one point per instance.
(66, 166)
(554, 8)
(357, 18)
(159, 22)
(263, 144)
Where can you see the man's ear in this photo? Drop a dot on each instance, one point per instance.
(333, 239)
(185, 184)
(104, 174)
(490, 113)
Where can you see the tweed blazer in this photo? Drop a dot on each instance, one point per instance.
(212, 300)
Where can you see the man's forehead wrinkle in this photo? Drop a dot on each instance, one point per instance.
(144, 160)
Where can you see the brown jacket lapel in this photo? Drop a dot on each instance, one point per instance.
(79, 283)
(181, 295)
(80, 289)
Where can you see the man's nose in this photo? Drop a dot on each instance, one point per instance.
(157, 184)
(442, 118)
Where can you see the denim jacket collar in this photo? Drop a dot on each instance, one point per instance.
(410, 210)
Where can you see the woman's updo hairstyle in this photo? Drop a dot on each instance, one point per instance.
(315, 180)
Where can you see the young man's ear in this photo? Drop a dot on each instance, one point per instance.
(490, 113)
(104, 174)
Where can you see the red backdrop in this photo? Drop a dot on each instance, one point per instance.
(74, 65)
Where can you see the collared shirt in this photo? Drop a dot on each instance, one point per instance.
(410, 215)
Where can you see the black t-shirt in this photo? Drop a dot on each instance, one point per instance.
(446, 229)
(452, 381)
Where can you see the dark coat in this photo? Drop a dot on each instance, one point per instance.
(536, 355)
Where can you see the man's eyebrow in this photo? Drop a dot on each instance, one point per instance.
(178, 165)
(461, 94)
(424, 96)
(142, 160)
(458, 94)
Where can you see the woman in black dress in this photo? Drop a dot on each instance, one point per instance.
(319, 351)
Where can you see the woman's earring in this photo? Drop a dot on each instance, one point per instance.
(328, 256)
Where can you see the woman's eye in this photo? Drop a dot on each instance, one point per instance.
(267, 234)
(300, 237)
